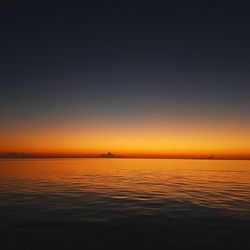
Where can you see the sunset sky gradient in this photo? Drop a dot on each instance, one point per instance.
(133, 79)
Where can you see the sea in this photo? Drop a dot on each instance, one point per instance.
(102, 203)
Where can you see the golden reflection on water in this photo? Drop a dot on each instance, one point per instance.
(207, 183)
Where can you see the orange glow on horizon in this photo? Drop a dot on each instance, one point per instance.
(143, 138)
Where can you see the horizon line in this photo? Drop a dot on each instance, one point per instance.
(106, 156)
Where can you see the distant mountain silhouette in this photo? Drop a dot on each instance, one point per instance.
(108, 155)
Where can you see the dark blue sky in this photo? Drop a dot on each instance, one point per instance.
(122, 58)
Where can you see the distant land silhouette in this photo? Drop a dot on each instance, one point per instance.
(15, 155)
(109, 155)
(210, 157)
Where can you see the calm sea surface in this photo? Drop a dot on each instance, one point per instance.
(107, 191)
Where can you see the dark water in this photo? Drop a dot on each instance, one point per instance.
(124, 204)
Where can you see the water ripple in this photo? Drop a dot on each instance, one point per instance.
(90, 190)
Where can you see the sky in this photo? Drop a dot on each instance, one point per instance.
(130, 77)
